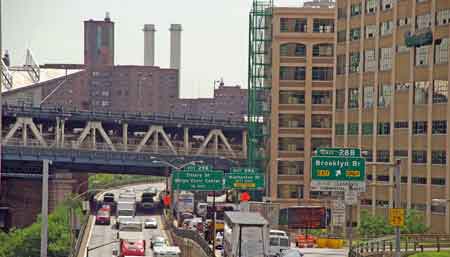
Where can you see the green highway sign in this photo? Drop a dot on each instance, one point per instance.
(244, 180)
(198, 181)
(232, 170)
(339, 152)
(338, 173)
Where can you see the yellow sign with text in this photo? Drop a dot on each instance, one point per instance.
(397, 217)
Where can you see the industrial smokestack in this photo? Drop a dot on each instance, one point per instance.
(149, 44)
(175, 46)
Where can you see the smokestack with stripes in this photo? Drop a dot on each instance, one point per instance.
(149, 44)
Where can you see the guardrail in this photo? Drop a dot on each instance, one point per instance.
(188, 234)
(75, 251)
(409, 243)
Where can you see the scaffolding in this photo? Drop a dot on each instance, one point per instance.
(259, 80)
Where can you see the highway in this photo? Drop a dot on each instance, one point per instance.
(103, 234)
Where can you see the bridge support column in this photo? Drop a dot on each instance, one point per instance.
(93, 138)
(62, 132)
(57, 133)
(186, 141)
(125, 136)
(24, 134)
(156, 142)
(24, 124)
(216, 145)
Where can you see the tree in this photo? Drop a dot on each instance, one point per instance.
(414, 223)
(373, 225)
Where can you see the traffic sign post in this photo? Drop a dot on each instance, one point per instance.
(244, 180)
(198, 181)
(338, 173)
(397, 217)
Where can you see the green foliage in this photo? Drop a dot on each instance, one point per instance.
(26, 242)
(376, 225)
(432, 254)
(108, 180)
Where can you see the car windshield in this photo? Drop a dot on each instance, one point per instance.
(150, 220)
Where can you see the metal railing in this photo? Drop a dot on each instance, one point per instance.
(410, 243)
(75, 251)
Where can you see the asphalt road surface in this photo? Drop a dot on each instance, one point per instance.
(103, 234)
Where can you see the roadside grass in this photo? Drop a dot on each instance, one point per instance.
(432, 254)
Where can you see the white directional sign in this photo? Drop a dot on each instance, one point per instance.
(338, 213)
(340, 186)
(350, 197)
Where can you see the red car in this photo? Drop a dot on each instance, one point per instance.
(132, 248)
(103, 217)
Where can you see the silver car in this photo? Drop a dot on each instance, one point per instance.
(150, 223)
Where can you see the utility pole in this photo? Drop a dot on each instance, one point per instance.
(1, 101)
(397, 205)
(214, 223)
(44, 225)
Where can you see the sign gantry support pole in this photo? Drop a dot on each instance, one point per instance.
(397, 205)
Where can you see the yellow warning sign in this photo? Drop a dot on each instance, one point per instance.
(397, 217)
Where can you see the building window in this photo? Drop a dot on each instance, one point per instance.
(384, 128)
(419, 156)
(300, 25)
(422, 54)
(371, 6)
(387, 27)
(383, 178)
(290, 144)
(423, 21)
(290, 191)
(352, 129)
(320, 121)
(441, 51)
(438, 157)
(321, 97)
(368, 97)
(421, 92)
(419, 127)
(402, 87)
(339, 129)
(353, 97)
(284, 25)
(293, 50)
(292, 97)
(292, 73)
(291, 121)
(384, 95)
(440, 91)
(382, 156)
(341, 64)
(322, 73)
(403, 21)
(291, 168)
(438, 181)
(323, 50)
(370, 61)
(320, 143)
(340, 98)
(342, 13)
(323, 25)
(386, 4)
(342, 36)
(371, 31)
(443, 17)
(355, 9)
(401, 125)
(354, 62)
(367, 128)
(355, 34)
(401, 153)
(439, 127)
(386, 59)
(369, 157)
(419, 180)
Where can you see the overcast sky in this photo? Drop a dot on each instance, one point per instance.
(214, 37)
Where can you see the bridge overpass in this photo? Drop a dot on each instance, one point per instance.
(83, 142)
(117, 142)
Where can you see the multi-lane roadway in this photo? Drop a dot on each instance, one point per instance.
(103, 234)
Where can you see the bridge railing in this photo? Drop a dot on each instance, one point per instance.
(409, 243)
(162, 149)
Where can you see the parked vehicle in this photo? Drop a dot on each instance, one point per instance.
(150, 223)
(166, 251)
(275, 232)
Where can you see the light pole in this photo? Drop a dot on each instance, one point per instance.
(44, 226)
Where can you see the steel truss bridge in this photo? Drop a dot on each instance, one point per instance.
(117, 142)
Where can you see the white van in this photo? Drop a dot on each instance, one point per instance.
(278, 244)
(166, 251)
(275, 232)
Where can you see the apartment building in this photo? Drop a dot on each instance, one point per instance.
(391, 99)
(302, 50)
